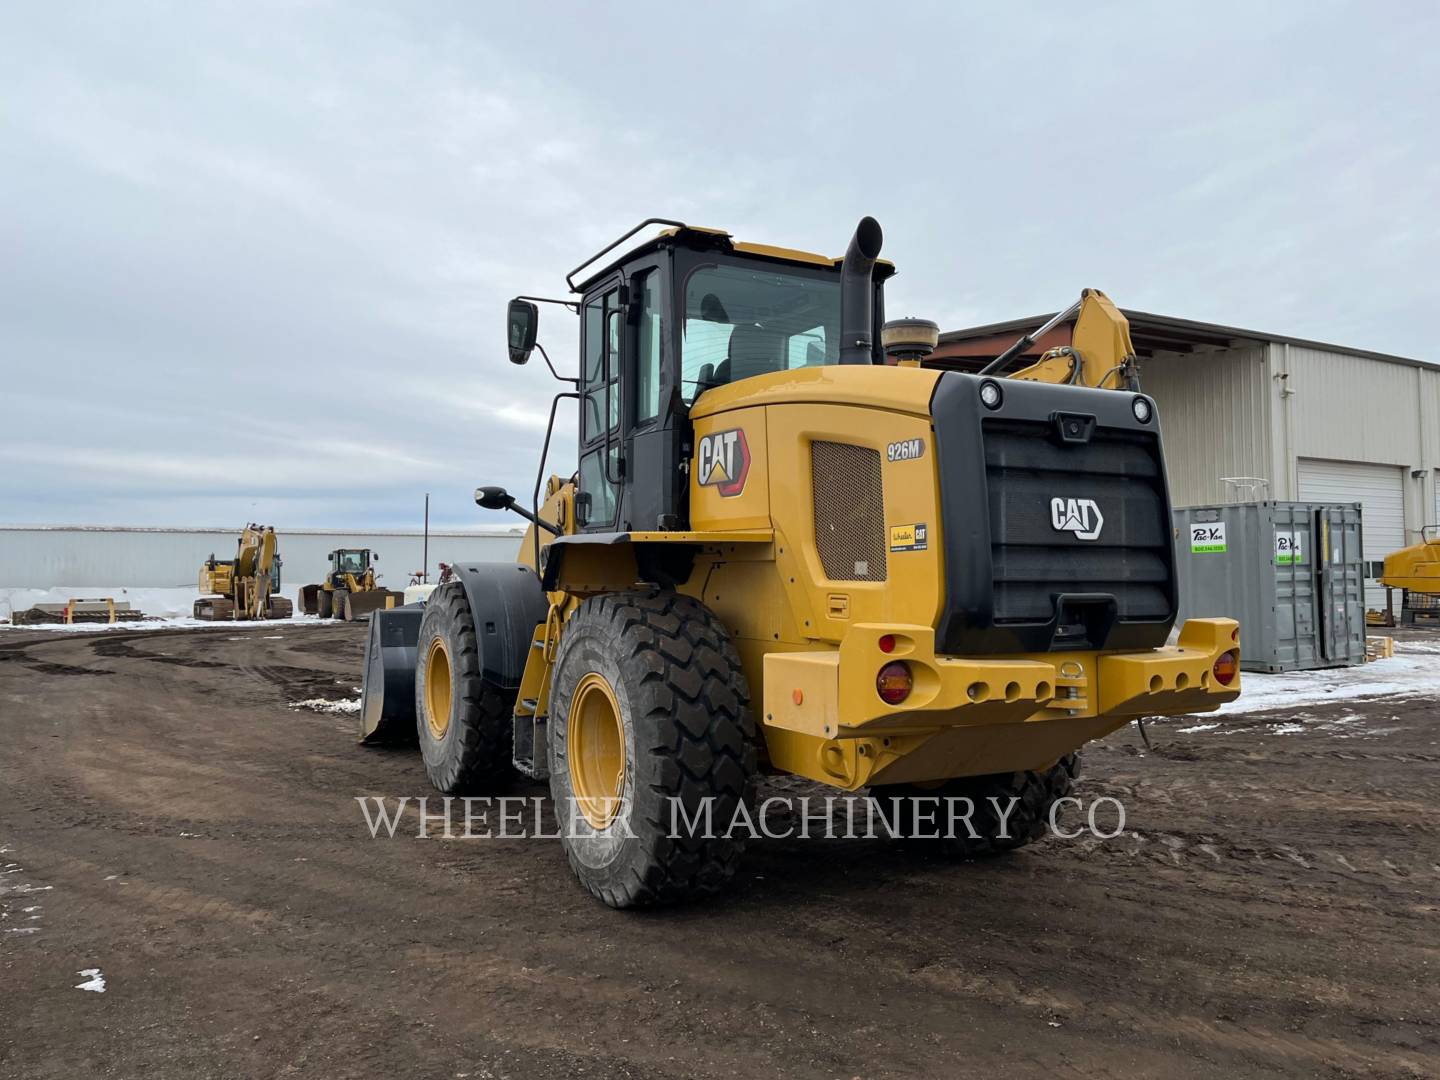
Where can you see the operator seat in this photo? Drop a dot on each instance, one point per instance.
(753, 351)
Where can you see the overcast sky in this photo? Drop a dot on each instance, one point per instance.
(256, 257)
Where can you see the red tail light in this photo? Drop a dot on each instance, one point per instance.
(894, 682)
(1227, 666)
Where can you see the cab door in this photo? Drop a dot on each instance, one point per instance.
(602, 461)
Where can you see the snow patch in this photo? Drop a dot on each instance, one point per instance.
(1198, 727)
(93, 980)
(1411, 672)
(320, 705)
(164, 608)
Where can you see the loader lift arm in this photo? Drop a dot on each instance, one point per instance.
(1100, 349)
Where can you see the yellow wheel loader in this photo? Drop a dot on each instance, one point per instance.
(779, 555)
(1415, 571)
(244, 587)
(349, 591)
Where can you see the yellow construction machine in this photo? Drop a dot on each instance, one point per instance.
(779, 555)
(350, 590)
(1415, 571)
(244, 587)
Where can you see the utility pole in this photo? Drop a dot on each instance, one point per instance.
(425, 557)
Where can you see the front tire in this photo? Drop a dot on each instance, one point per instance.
(1034, 793)
(323, 602)
(463, 720)
(650, 713)
(339, 605)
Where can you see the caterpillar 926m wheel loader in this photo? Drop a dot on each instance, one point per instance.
(779, 555)
(350, 590)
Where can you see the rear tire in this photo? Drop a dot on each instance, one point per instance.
(464, 721)
(339, 609)
(666, 666)
(1034, 794)
(323, 600)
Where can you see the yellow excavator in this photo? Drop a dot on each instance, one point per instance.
(1415, 571)
(778, 554)
(244, 587)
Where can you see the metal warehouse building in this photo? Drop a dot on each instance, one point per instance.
(1250, 415)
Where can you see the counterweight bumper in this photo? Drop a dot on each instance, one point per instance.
(981, 715)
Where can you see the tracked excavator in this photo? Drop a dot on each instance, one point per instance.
(779, 555)
(244, 587)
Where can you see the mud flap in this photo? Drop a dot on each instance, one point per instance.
(387, 697)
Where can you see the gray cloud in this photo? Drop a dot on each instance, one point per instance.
(256, 257)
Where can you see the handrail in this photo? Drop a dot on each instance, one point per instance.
(570, 277)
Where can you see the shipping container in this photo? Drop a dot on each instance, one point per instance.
(1292, 573)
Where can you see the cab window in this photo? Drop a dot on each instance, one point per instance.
(744, 320)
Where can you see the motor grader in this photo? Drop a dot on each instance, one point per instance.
(779, 554)
(244, 587)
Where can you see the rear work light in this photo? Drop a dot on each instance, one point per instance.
(1227, 666)
(894, 682)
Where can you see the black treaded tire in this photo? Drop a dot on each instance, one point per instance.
(337, 605)
(1037, 792)
(473, 757)
(688, 735)
(323, 601)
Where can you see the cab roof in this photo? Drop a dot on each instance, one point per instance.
(700, 238)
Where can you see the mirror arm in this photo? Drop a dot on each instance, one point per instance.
(573, 305)
(561, 378)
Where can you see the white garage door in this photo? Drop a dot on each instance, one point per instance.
(1380, 491)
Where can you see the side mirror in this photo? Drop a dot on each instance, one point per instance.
(493, 498)
(522, 322)
(374, 558)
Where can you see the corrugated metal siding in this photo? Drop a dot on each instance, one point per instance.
(1214, 416)
(1354, 409)
(43, 558)
(1380, 491)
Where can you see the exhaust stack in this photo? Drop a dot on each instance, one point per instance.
(857, 294)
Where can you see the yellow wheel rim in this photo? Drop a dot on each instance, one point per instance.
(595, 748)
(437, 688)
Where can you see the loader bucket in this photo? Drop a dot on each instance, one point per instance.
(387, 696)
(359, 605)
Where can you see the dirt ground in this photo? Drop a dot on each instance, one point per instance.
(167, 819)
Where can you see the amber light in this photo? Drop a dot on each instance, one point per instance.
(1226, 668)
(894, 682)
(887, 643)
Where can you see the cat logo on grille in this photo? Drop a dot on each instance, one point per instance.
(1079, 516)
(722, 461)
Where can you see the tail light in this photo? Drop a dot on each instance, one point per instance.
(894, 682)
(1227, 666)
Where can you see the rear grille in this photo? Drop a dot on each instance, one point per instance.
(1033, 561)
(849, 499)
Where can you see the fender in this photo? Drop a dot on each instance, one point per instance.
(506, 603)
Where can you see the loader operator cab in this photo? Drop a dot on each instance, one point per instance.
(688, 311)
(353, 561)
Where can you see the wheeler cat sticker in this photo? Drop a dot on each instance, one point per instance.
(722, 461)
(909, 537)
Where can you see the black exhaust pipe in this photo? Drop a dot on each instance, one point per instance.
(857, 294)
